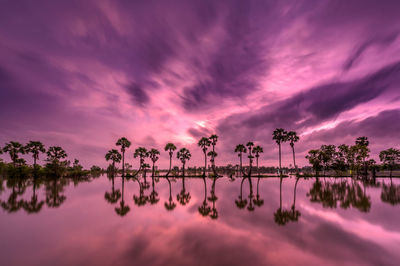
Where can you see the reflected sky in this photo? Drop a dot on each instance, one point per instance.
(337, 221)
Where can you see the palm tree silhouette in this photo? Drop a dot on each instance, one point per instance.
(154, 155)
(240, 148)
(250, 145)
(13, 148)
(142, 153)
(154, 194)
(170, 147)
(183, 155)
(170, 205)
(35, 147)
(54, 155)
(213, 198)
(204, 143)
(295, 213)
(257, 150)
(292, 138)
(114, 156)
(279, 135)
(213, 138)
(124, 143)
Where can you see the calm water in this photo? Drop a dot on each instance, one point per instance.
(333, 222)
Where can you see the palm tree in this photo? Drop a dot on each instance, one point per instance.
(153, 154)
(292, 138)
(212, 155)
(170, 205)
(213, 138)
(183, 155)
(204, 143)
(279, 135)
(124, 143)
(14, 148)
(170, 147)
(35, 147)
(257, 150)
(240, 148)
(33, 206)
(250, 145)
(114, 156)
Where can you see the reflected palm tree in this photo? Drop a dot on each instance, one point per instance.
(113, 196)
(213, 198)
(142, 199)
(170, 205)
(241, 202)
(183, 197)
(281, 216)
(295, 214)
(204, 209)
(33, 206)
(390, 194)
(170, 147)
(153, 195)
(12, 204)
(54, 190)
(258, 201)
(250, 145)
(123, 208)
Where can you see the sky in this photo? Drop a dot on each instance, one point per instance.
(81, 74)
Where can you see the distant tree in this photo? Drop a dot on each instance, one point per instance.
(124, 143)
(35, 147)
(314, 158)
(114, 156)
(55, 154)
(14, 148)
(279, 135)
(293, 138)
(142, 153)
(257, 150)
(390, 159)
(154, 155)
(363, 151)
(204, 143)
(240, 148)
(170, 147)
(250, 145)
(213, 138)
(183, 155)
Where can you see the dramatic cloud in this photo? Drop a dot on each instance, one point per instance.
(80, 75)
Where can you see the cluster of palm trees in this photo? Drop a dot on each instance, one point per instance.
(142, 153)
(253, 152)
(280, 136)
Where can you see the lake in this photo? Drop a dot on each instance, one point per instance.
(224, 221)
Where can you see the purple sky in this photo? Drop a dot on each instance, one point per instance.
(80, 74)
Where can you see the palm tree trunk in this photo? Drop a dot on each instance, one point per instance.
(280, 165)
(205, 162)
(241, 169)
(183, 170)
(294, 159)
(170, 163)
(294, 193)
(257, 166)
(123, 164)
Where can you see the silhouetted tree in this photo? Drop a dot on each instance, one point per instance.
(204, 209)
(390, 158)
(293, 138)
(204, 143)
(170, 147)
(154, 155)
(279, 135)
(123, 208)
(213, 138)
(240, 148)
(14, 148)
(183, 155)
(124, 143)
(257, 150)
(114, 156)
(113, 196)
(35, 147)
(170, 205)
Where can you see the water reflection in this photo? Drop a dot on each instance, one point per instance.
(22, 194)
